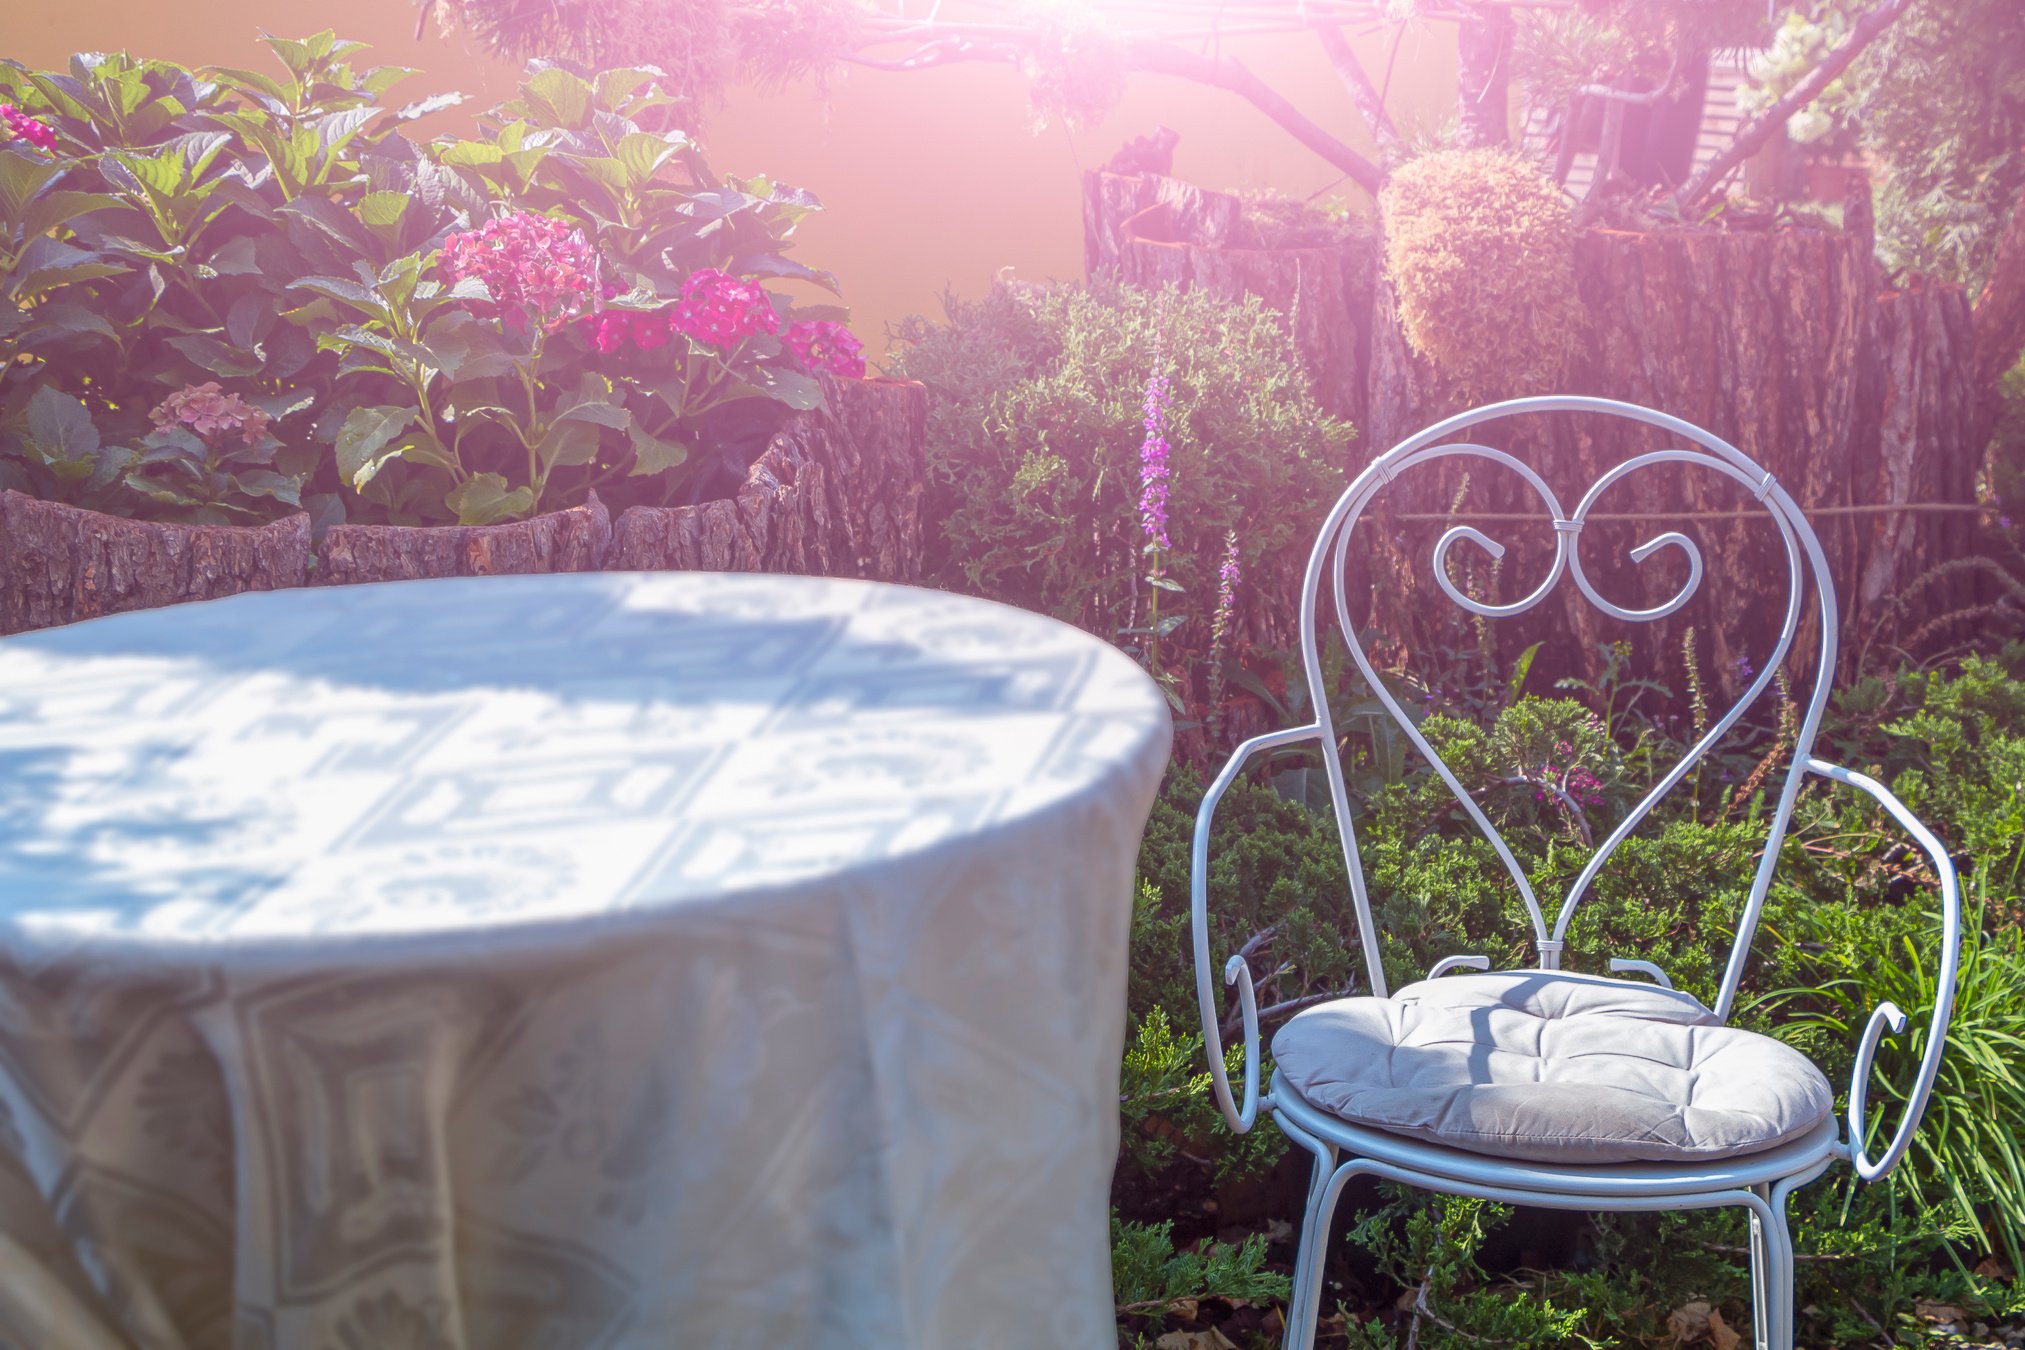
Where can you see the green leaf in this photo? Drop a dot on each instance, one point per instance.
(598, 413)
(268, 483)
(235, 258)
(653, 455)
(295, 55)
(161, 175)
(220, 358)
(564, 99)
(484, 499)
(60, 427)
(364, 437)
(48, 263)
(642, 153)
(792, 387)
(777, 265)
(423, 107)
(54, 209)
(380, 209)
(471, 154)
(567, 443)
(22, 179)
(348, 292)
(52, 321)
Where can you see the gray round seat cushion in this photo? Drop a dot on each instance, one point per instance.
(1552, 1066)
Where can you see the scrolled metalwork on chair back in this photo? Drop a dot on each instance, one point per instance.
(1699, 449)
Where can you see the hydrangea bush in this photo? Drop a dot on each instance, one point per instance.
(463, 329)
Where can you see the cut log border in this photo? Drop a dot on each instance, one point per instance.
(59, 563)
(837, 492)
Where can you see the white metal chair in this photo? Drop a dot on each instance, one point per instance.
(1388, 1085)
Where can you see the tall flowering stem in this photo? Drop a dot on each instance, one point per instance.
(1153, 479)
(1227, 577)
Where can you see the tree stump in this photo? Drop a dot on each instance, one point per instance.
(1777, 342)
(837, 492)
(1156, 232)
(574, 540)
(59, 563)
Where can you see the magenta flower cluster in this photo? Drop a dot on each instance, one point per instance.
(539, 270)
(28, 129)
(210, 413)
(820, 344)
(721, 310)
(614, 329)
(1580, 785)
(1153, 466)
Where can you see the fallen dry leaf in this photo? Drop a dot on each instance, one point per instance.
(1939, 1312)
(1702, 1323)
(1990, 1268)
(1689, 1323)
(1211, 1339)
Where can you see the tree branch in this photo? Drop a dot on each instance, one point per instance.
(1363, 93)
(1760, 128)
(1161, 58)
(1151, 57)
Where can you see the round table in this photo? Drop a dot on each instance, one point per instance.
(584, 961)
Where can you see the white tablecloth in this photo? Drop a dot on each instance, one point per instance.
(566, 962)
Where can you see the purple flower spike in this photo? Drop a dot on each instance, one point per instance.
(1153, 470)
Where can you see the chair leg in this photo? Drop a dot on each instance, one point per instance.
(1772, 1271)
(1304, 1302)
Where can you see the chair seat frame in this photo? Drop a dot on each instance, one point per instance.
(1759, 1183)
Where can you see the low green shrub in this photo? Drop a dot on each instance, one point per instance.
(224, 294)
(1038, 443)
(1851, 921)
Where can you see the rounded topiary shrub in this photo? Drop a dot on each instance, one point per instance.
(1480, 249)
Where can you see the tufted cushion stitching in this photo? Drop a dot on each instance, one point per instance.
(1521, 1064)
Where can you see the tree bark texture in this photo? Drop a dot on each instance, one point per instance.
(835, 493)
(1174, 233)
(59, 564)
(1780, 343)
(2000, 313)
(573, 540)
(1484, 77)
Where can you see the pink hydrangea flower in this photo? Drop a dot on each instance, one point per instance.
(210, 413)
(822, 345)
(615, 329)
(721, 310)
(539, 270)
(28, 129)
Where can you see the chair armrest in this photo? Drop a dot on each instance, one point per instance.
(1236, 971)
(1890, 1015)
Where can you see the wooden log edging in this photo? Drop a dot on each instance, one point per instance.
(59, 563)
(572, 540)
(835, 493)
